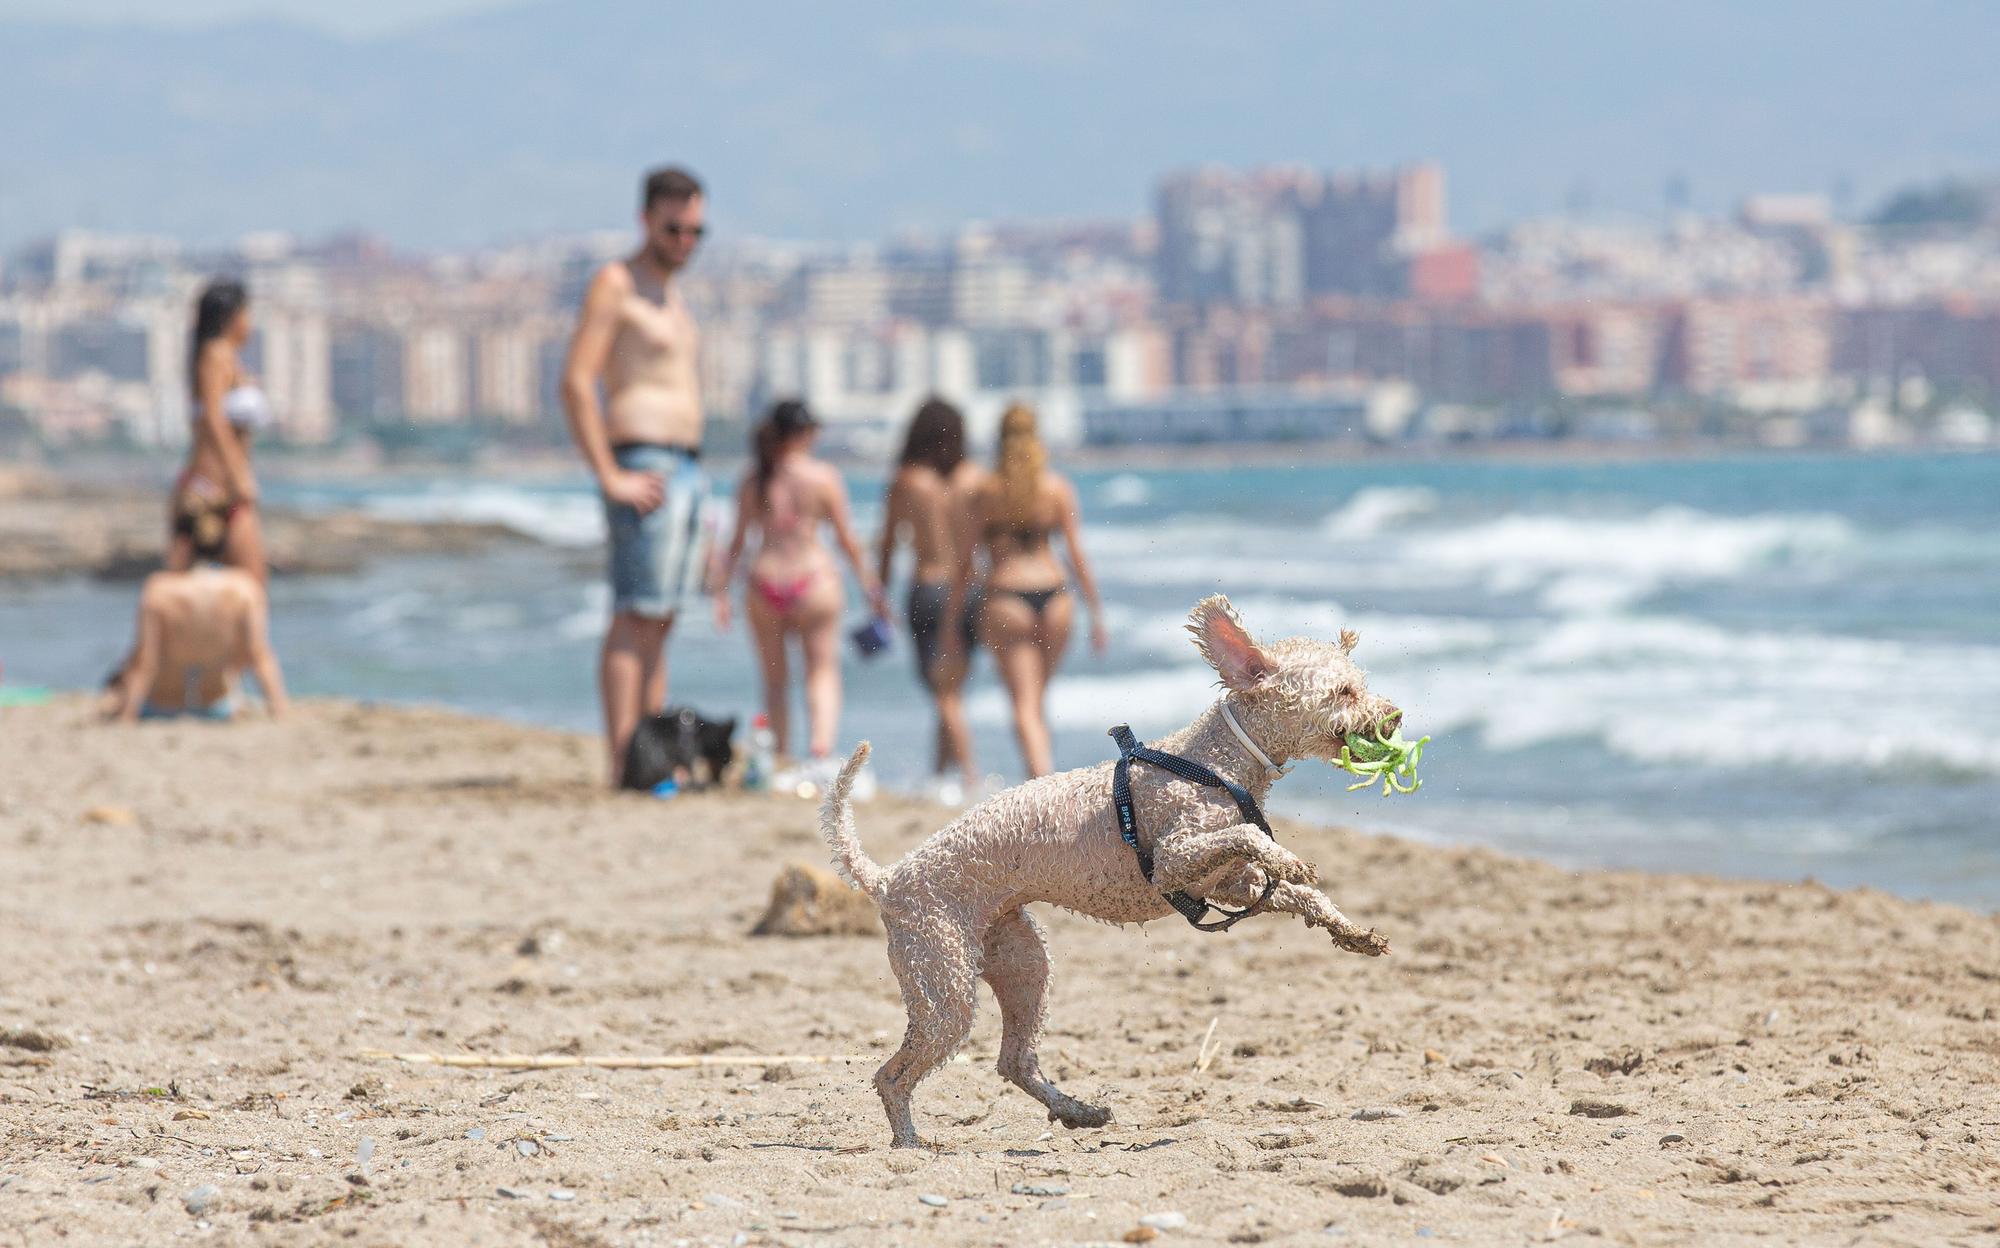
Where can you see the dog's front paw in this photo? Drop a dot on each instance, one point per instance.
(1370, 943)
(1289, 868)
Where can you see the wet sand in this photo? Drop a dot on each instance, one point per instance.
(207, 925)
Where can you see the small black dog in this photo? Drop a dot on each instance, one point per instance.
(668, 747)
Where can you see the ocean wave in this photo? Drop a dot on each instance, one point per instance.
(1374, 509)
(1584, 563)
(1571, 564)
(1125, 490)
(1383, 636)
(1655, 691)
(1680, 692)
(559, 519)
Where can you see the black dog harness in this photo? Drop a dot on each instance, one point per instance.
(1193, 909)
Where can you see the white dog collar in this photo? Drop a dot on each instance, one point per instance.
(1271, 770)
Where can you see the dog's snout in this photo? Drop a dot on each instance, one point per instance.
(1391, 716)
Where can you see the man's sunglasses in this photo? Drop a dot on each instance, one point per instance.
(684, 231)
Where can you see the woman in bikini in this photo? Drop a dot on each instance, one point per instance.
(1028, 611)
(794, 588)
(924, 507)
(229, 411)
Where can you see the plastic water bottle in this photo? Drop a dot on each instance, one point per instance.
(763, 758)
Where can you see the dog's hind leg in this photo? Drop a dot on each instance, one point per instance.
(938, 969)
(1309, 904)
(1017, 966)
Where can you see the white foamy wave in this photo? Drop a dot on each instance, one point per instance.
(1204, 571)
(560, 519)
(1385, 638)
(1654, 691)
(1374, 509)
(1126, 490)
(1152, 702)
(1683, 693)
(1582, 563)
(588, 620)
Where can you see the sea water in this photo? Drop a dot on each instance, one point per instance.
(1775, 666)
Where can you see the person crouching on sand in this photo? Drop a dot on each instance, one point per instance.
(794, 590)
(198, 631)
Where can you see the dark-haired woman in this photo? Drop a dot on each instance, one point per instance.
(794, 588)
(925, 508)
(229, 411)
(1026, 619)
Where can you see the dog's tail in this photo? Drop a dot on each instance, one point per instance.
(836, 824)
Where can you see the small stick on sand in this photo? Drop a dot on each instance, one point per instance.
(1205, 1055)
(665, 1061)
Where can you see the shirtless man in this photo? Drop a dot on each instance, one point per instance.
(199, 630)
(643, 444)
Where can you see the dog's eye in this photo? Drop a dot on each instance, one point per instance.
(1346, 691)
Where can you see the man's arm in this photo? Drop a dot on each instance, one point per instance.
(840, 513)
(264, 660)
(892, 520)
(589, 350)
(965, 508)
(723, 568)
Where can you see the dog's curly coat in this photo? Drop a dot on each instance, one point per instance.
(954, 907)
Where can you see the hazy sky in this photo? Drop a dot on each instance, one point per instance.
(445, 123)
(351, 17)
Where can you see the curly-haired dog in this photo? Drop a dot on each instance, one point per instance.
(954, 907)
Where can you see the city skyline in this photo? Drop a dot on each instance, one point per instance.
(476, 128)
(1255, 304)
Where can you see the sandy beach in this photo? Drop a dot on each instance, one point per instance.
(208, 926)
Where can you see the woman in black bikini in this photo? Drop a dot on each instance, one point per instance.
(1028, 611)
(924, 507)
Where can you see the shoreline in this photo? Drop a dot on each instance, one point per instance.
(508, 464)
(1599, 1055)
(53, 527)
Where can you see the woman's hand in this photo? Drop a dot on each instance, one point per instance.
(878, 602)
(1100, 641)
(722, 611)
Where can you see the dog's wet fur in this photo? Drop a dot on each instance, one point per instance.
(955, 907)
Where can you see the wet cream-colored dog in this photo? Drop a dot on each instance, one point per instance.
(954, 907)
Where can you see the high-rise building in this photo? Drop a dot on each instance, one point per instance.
(366, 373)
(1276, 237)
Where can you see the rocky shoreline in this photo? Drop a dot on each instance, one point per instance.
(52, 528)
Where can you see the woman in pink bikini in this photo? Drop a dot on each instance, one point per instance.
(794, 589)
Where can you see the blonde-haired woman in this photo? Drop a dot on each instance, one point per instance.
(1028, 610)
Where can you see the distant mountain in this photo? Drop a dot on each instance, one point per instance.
(854, 119)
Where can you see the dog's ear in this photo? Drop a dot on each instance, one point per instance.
(1220, 636)
(1349, 639)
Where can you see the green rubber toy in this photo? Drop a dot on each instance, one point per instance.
(1388, 759)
